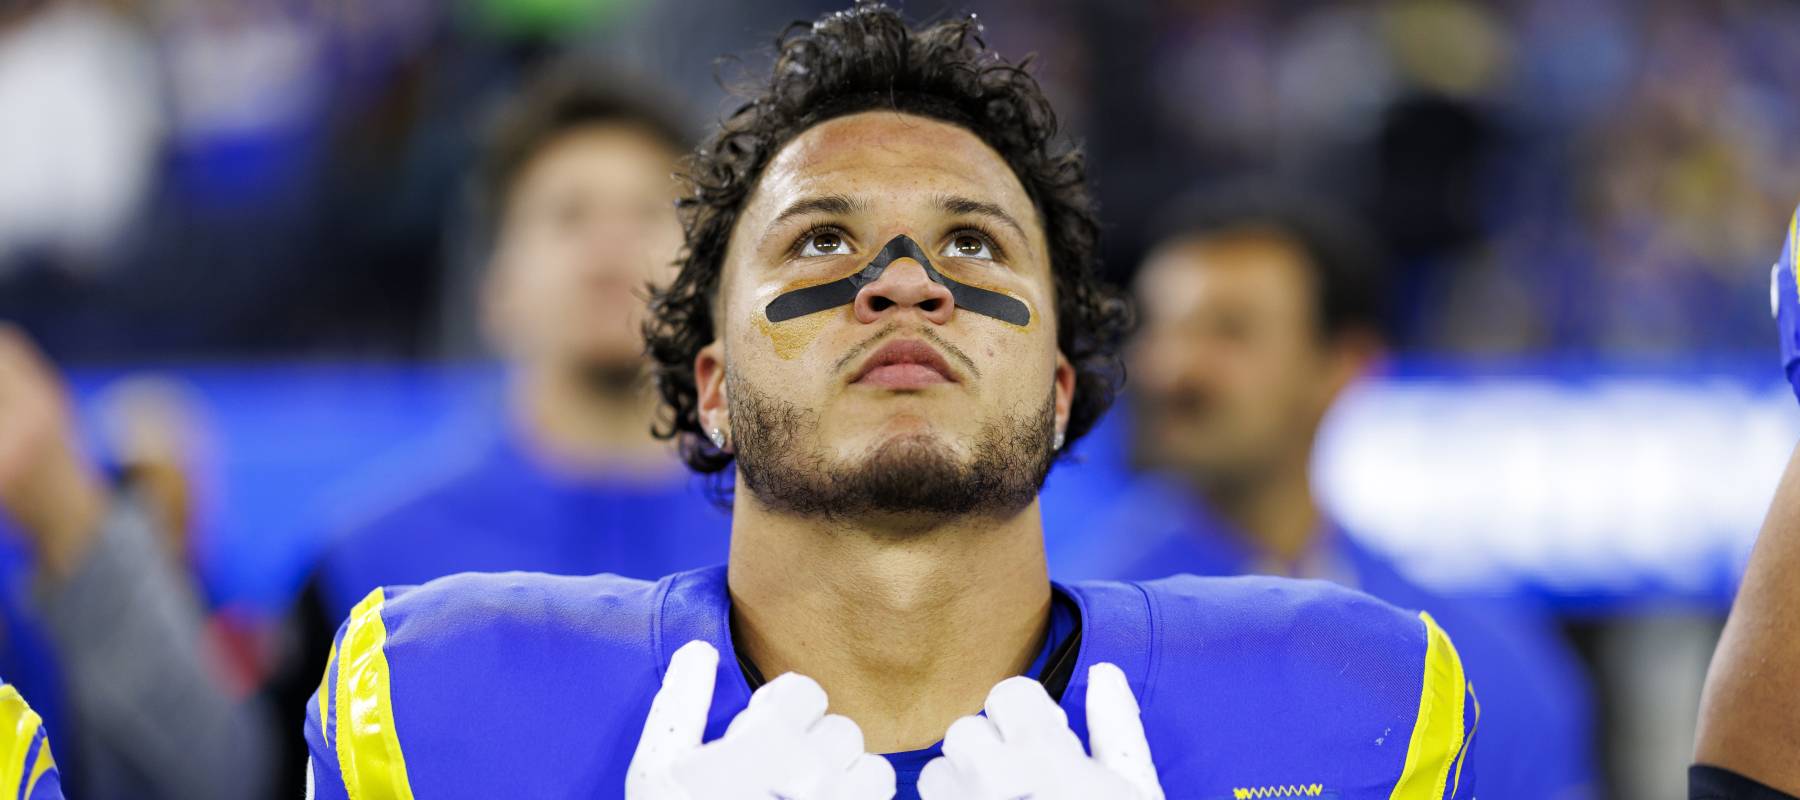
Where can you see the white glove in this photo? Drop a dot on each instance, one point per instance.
(1024, 748)
(783, 745)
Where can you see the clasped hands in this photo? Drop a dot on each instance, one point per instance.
(784, 745)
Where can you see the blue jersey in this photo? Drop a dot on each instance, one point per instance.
(27, 772)
(1784, 302)
(527, 685)
(497, 507)
(1535, 740)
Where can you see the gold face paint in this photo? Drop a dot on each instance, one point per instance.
(793, 336)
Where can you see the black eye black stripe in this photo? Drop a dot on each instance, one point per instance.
(813, 299)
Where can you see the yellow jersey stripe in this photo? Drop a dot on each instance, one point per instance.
(325, 696)
(1437, 735)
(43, 765)
(18, 727)
(368, 747)
(1794, 248)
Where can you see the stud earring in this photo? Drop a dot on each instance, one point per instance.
(1057, 443)
(717, 437)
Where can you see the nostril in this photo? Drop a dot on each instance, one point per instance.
(880, 303)
(931, 305)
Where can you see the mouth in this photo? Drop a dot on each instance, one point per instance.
(904, 364)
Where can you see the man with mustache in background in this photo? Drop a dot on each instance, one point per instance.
(1259, 308)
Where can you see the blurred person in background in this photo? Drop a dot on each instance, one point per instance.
(578, 187)
(1259, 308)
(80, 127)
(103, 628)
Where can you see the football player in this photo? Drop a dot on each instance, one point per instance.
(887, 316)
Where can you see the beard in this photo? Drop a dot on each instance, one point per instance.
(915, 475)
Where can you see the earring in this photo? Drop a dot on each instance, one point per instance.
(717, 437)
(1057, 443)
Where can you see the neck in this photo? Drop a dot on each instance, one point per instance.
(1275, 510)
(571, 421)
(906, 630)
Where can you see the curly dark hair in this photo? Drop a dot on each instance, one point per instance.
(867, 58)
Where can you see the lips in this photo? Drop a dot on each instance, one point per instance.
(904, 364)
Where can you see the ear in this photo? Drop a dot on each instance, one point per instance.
(1064, 385)
(709, 383)
(496, 305)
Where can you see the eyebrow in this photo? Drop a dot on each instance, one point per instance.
(955, 204)
(834, 204)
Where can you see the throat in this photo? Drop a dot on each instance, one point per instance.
(905, 633)
(906, 705)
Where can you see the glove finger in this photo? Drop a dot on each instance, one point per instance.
(677, 718)
(791, 702)
(835, 740)
(973, 740)
(1023, 712)
(869, 777)
(941, 780)
(1116, 731)
(724, 772)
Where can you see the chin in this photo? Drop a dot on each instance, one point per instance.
(923, 441)
(888, 464)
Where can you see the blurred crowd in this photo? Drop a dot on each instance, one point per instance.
(260, 181)
(285, 177)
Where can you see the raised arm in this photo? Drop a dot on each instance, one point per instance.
(1750, 710)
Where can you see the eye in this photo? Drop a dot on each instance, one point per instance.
(822, 243)
(569, 213)
(968, 245)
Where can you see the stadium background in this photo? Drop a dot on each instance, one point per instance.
(245, 224)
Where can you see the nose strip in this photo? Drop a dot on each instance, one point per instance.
(841, 292)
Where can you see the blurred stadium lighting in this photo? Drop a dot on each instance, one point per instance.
(1599, 489)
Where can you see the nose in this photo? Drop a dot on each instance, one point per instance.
(1165, 363)
(904, 285)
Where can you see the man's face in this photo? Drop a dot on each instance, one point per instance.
(899, 402)
(589, 221)
(1229, 374)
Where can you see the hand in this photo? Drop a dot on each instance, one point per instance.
(1024, 748)
(46, 485)
(783, 745)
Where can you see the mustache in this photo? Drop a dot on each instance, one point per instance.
(1185, 401)
(924, 333)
